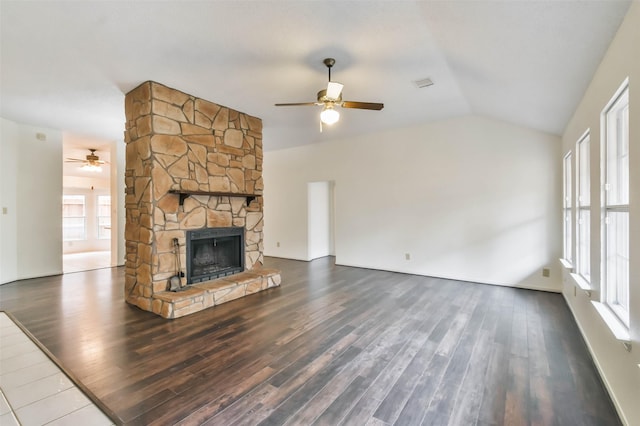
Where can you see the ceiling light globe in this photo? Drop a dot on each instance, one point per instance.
(329, 116)
(91, 168)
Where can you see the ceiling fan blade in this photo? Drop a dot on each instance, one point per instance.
(73, 160)
(298, 104)
(362, 105)
(334, 89)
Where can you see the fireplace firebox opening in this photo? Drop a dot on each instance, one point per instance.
(213, 253)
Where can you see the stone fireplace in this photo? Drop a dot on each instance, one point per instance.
(193, 173)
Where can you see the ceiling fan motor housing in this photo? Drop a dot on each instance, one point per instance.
(322, 97)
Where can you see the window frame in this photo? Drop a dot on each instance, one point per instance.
(99, 216)
(583, 208)
(83, 217)
(567, 210)
(621, 311)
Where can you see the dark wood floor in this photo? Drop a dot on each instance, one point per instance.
(334, 345)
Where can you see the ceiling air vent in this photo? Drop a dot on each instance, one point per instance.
(425, 82)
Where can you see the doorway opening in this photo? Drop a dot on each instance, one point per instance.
(86, 206)
(320, 221)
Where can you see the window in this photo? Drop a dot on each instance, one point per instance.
(567, 252)
(104, 217)
(615, 232)
(583, 235)
(73, 218)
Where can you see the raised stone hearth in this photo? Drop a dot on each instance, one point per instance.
(186, 159)
(197, 297)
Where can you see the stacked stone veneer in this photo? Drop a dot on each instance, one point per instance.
(176, 141)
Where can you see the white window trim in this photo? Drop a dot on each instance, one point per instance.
(586, 136)
(609, 313)
(617, 328)
(566, 263)
(581, 282)
(567, 205)
(97, 209)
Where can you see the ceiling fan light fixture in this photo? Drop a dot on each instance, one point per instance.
(91, 168)
(329, 115)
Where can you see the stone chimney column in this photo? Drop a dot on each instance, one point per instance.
(177, 142)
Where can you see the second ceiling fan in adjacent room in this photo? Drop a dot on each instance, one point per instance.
(90, 163)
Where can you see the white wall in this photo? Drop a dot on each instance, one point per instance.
(8, 201)
(117, 186)
(618, 367)
(31, 172)
(286, 204)
(469, 198)
(85, 183)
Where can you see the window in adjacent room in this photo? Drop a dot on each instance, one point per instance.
(104, 217)
(73, 218)
(615, 233)
(567, 252)
(583, 219)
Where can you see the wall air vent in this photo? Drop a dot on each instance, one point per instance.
(425, 82)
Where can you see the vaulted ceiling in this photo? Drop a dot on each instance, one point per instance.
(67, 65)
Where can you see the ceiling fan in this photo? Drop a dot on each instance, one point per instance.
(91, 163)
(331, 97)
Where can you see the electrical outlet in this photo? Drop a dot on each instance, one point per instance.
(407, 256)
(278, 244)
(4, 210)
(546, 272)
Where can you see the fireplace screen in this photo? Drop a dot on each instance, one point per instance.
(213, 253)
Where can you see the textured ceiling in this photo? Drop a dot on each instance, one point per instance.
(67, 65)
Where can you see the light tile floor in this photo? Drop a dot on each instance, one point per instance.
(76, 262)
(33, 390)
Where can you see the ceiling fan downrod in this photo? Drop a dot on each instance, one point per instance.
(329, 62)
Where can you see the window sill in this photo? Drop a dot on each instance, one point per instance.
(566, 263)
(582, 283)
(620, 332)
